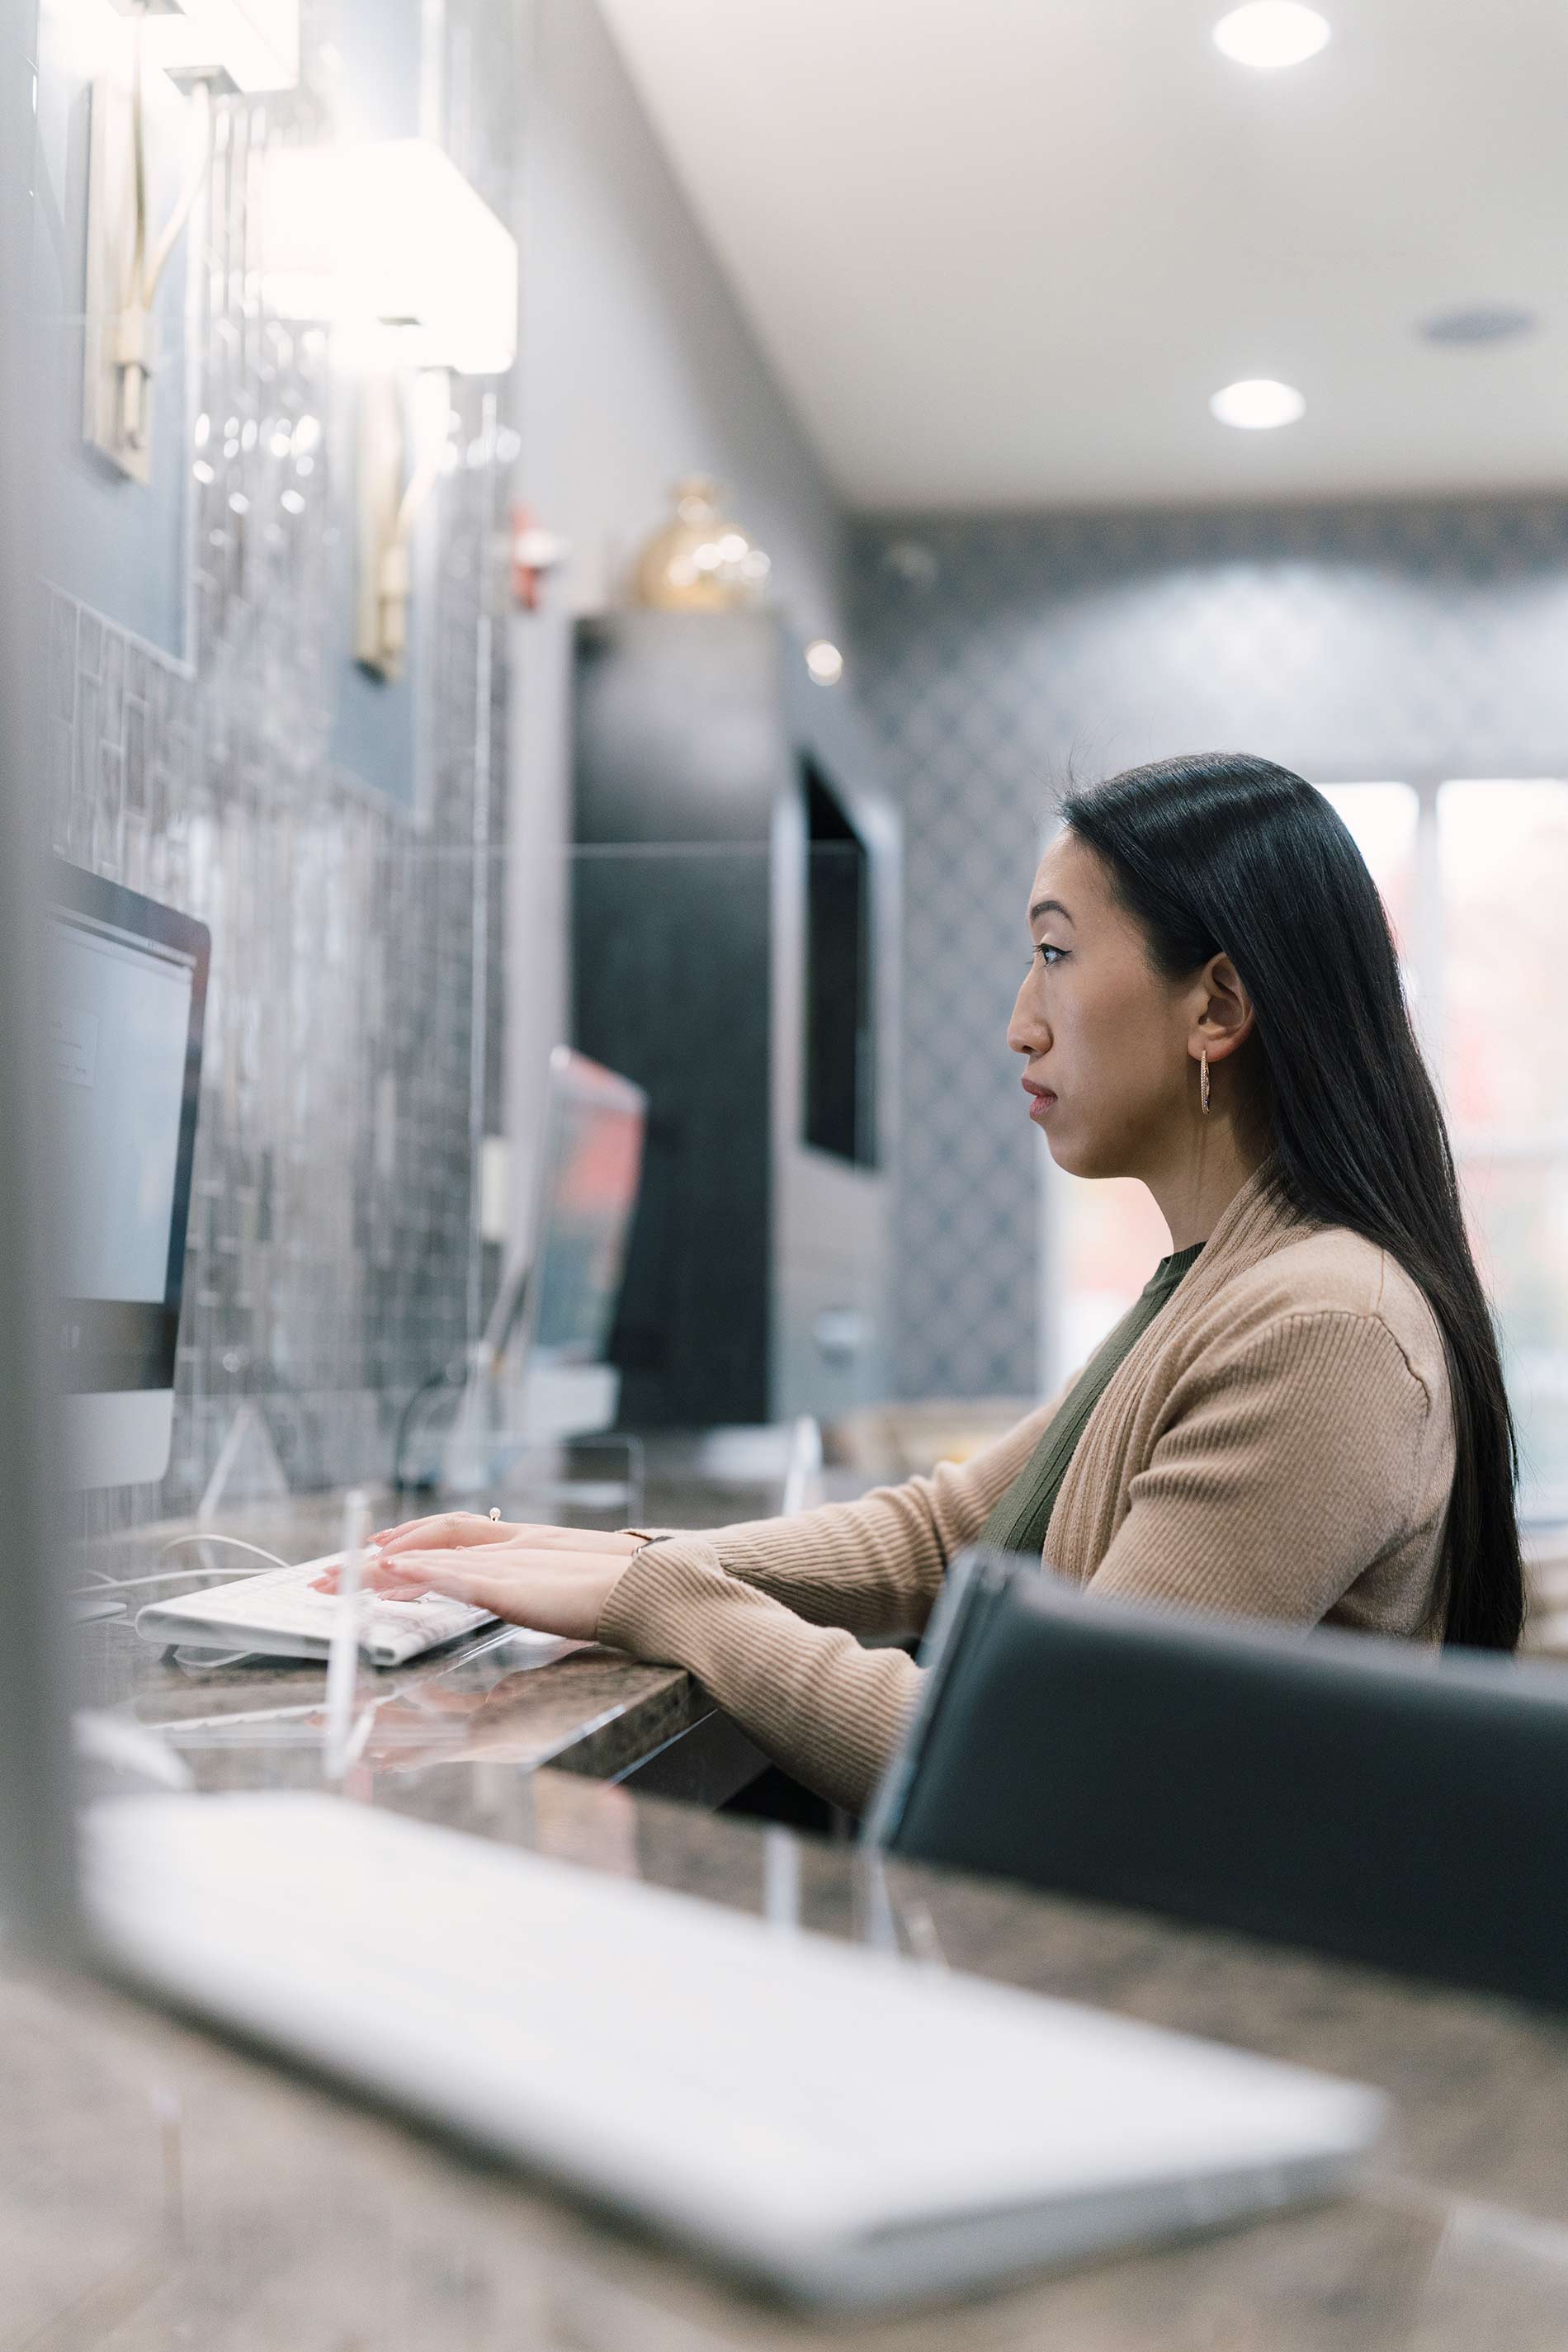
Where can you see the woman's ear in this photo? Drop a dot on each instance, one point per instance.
(1225, 1019)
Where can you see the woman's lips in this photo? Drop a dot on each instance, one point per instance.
(1041, 1104)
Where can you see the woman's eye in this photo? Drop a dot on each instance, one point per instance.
(1049, 954)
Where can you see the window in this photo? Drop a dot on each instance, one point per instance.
(1474, 873)
(1502, 1019)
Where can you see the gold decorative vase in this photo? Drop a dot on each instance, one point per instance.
(700, 561)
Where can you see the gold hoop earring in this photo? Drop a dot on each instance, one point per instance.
(1204, 1081)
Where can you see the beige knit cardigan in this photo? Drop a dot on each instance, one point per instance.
(1278, 1443)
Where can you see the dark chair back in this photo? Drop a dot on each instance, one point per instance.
(1371, 1799)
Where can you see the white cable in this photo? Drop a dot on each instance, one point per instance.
(169, 1576)
(179, 1575)
(238, 1543)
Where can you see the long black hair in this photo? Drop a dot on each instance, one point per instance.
(1219, 853)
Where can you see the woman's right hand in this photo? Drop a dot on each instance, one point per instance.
(456, 1530)
(554, 1579)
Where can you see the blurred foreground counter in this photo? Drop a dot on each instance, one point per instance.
(158, 2188)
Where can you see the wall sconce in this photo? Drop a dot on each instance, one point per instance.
(233, 47)
(211, 47)
(391, 243)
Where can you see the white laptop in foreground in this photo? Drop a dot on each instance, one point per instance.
(849, 2127)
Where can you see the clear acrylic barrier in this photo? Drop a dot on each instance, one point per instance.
(378, 1029)
(572, 1482)
(367, 1171)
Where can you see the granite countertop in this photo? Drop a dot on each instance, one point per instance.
(257, 1721)
(158, 2188)
(574, 1706)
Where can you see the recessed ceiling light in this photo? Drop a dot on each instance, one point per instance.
(1257, 403)
(1479, 322)
(1271, 33)
(825, 662)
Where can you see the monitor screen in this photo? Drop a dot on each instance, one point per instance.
(126, 990)
(120, 1017)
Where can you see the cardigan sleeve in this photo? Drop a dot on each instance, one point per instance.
(875, 1565)
(1285, 1468)
(766, 1613)
(827, 1709)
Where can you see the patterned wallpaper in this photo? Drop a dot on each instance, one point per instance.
(996, 657)
(352, 1036)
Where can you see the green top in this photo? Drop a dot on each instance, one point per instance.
(1020, 1518)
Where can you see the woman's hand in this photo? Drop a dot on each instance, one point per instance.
(552, 1579)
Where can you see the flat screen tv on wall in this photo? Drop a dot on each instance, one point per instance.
(841, 1015)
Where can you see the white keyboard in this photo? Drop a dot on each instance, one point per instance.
(280, 1614)
(849, 2126)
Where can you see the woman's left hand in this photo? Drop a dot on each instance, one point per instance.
(552, 1579)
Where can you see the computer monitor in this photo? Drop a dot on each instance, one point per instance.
(126, 994)
(557, 1304)
(584, 1198)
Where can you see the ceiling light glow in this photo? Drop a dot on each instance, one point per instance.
(1271, 33)
(825, 662)
(1257, 404)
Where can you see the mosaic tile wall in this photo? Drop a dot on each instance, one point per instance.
(353, 1048)
(994, 656)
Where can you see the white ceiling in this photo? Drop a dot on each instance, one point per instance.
(1002, 251)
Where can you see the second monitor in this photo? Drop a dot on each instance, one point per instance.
(127, 992)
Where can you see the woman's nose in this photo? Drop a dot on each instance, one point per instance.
(1027, 1032)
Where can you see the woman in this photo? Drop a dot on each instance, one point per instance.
(1302, 1418)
